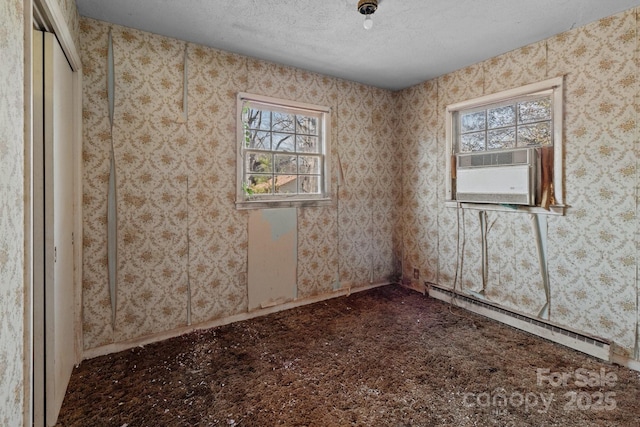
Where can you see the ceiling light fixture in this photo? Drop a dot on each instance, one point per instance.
(367, 8)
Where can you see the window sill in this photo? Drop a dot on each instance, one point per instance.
(272, 204)
(553, 210)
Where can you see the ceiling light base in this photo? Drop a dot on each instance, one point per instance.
(367, 7)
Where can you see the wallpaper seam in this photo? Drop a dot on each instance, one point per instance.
(112, 210)
(546, 58)
(636, 348)
(339, 184)
(438, 183)
(185, 117)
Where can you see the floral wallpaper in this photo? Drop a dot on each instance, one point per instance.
(601, 131)
(12, 255)
(417, 132)
(592, 250)
(182, 245)
(152, 183)
(217, 231)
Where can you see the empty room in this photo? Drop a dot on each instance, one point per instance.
(320, 213)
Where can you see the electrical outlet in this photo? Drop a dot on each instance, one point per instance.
(416, 274)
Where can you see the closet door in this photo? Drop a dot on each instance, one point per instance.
(54, 336)
(58, 155)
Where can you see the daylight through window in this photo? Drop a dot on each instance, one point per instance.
(525, 122)
(282, 156)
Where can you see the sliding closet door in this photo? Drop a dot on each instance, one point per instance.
(54, 338)
(59, 327)
(38, 228)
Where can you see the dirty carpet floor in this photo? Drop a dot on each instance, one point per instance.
(383, 357)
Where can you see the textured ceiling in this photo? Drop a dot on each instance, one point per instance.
(411, 40)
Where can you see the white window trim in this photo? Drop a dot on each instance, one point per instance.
(556, 86)
(294, 200)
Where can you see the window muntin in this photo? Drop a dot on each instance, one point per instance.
(518, 123)
(283, 151)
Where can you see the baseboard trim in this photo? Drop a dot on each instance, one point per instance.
(626, 362)
(414, 286)
(149, 339)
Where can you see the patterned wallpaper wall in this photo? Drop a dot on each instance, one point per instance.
(592, 250)
(12, 256)
(180, 236)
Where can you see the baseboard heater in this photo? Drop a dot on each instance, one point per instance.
(590, 345)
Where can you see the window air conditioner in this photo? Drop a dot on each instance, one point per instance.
(503, 177)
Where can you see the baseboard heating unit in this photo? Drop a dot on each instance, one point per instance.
(590, 345)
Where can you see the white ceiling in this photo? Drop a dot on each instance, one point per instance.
(411, 40)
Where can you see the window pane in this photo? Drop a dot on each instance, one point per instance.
(307, 144)
(309, 164)
(535, 134)
(279, 144)
(259, 140)
(257, 162)
(286, 184)
(472, 122)
(285, 164)
(501, 138)
(472, 142)
(258, 119)
(534, 111)
(283, 122)
(309, 184)
(307, 125)
(283, 142)
(501, 116)
(259, 184)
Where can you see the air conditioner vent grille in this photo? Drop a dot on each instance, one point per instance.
(500, 158)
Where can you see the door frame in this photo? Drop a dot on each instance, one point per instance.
(48, 15)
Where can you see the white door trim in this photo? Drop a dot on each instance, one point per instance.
(51, 13)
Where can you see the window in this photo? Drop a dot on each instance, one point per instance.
(283, 153)
(505, 136)
(524, 122)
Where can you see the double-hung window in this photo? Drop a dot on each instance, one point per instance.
(283, 153)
